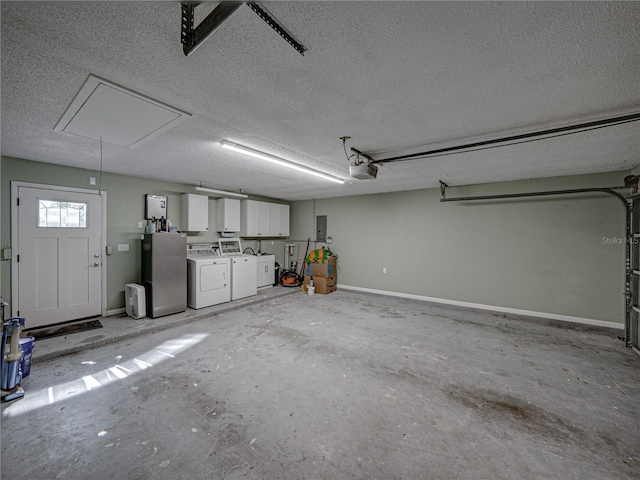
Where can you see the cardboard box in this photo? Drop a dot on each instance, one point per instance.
(324, 285)
(326, 269)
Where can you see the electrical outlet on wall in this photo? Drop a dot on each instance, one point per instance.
(384, 270)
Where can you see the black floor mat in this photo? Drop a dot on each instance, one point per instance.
(65, 329)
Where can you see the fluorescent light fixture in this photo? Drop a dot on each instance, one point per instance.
(221, 193)
(278, 161)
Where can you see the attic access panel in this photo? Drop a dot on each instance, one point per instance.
(119, 116)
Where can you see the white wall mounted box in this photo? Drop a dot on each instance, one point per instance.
(195, 213)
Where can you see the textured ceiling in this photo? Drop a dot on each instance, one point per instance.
(395, 76)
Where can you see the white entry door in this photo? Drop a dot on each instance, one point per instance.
(59, 257)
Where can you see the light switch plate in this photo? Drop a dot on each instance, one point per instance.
(123, 247)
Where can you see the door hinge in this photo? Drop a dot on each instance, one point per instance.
(18, 202)
(18, 313)
(18, 261)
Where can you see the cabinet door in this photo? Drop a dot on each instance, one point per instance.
(249, 218)
(262, 270)
(279, 220)
(270, 273)
(266, 271)
(195, 213)
(274, 224)
(228, 215)
(264, 219)
(284, 220)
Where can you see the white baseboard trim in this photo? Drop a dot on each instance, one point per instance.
(116, 311)
(478, 306)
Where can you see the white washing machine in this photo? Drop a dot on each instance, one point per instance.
(244, 268)
(208, 279)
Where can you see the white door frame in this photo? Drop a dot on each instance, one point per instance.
(15, 185)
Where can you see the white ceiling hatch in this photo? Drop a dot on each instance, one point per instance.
(119, 116)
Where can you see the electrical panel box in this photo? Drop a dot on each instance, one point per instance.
(321, 228)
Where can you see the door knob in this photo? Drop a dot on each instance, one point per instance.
(97, 264)
(97, 255)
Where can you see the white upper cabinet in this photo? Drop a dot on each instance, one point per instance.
(252, 219)
(279, 220)
(263, 219)
(227, 215)
(195, 213)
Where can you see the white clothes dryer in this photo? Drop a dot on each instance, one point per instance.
(208, 281)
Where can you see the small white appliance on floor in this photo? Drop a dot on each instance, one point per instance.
(134, 297)
(244, 268)
(208, 277)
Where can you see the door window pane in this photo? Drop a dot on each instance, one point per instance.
(60, 214)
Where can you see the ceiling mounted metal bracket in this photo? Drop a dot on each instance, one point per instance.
(443, 190)
(192, 37)
(362, 154)
(272, 22)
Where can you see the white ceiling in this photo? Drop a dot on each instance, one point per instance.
(395, 76)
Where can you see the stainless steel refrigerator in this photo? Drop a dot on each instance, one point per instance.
(164, 273)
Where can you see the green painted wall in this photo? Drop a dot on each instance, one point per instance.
(559, 255)
(125, 208)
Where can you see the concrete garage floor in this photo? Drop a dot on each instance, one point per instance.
(333, 387)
